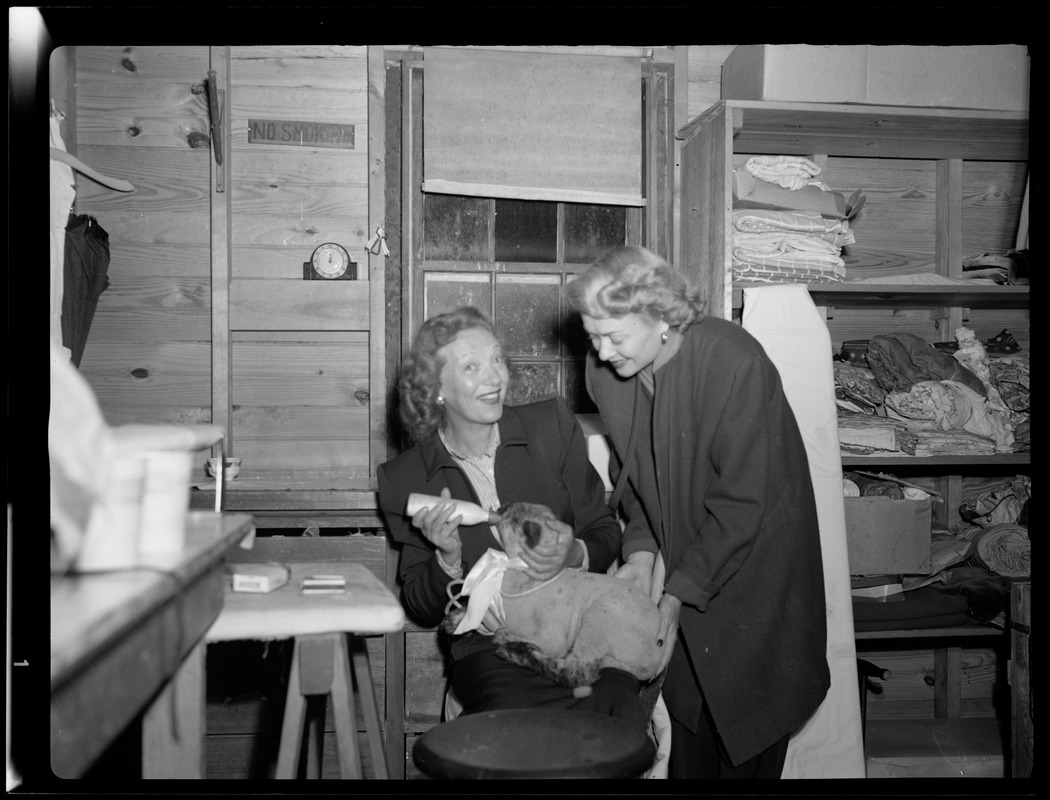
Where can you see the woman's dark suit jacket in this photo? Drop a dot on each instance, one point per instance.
(721, 483)
(542, 458)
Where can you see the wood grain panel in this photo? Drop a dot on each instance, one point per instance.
(317, 66)
(170, 64)
(302, 305)
(347, 104)
(349, 457)
(152, 310)
(906, 695)
(291, 200)
(705, 76)
(297, 422)
(128, 224)
(124, 411)
(151, 260)
(164, 180)
(301, 360)
(254, 390)
(300, 375)
(123, 113)
(148, 361)
(288, 166)
(156, 390)
(160, 294)
(993, 193)
(291, 229)
(247, 53)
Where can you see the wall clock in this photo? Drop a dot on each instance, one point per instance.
(330, 262)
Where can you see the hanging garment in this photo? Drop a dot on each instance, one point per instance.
(86, 265)
(795, 336)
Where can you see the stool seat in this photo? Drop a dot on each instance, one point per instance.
(534, 743)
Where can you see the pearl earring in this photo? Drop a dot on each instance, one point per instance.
(441, 400)
(663, 338)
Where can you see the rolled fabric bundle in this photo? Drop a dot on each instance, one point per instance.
(1005, 549)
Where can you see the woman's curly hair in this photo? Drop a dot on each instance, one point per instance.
(420, 383)
(633, 280)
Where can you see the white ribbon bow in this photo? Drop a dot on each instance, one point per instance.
(482, 584)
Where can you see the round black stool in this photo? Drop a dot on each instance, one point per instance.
(534, 743)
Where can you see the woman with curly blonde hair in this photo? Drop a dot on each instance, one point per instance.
(719, 484)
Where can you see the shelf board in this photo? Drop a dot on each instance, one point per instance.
(838, 129)
(905, 295)
(998, 459)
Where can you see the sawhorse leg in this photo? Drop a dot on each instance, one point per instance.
(320, 667)
(367, 694)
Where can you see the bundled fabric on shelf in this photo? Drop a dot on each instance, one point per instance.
(952, 398)
(791, 172)
(787, 245)
(900, 360)
(857, 385)
(1010, 374)
(864, 434)
(1005, 549)
(947, 406)
(956, 443)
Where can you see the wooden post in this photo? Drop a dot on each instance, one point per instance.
(221, 376)
(376, 261)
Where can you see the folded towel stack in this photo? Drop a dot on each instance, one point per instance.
(787, 246)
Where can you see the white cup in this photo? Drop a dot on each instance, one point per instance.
(112, 535)
(165, 502)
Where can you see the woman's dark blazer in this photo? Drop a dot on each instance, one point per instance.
(542, 458)
(721, 484)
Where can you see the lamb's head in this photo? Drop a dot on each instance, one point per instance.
(525, 523)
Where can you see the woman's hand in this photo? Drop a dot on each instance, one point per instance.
(639, 571)
(544, 561)
(440, 525)
(670, 608)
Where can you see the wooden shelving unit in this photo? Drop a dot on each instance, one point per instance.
(715, 141)
(874, 142)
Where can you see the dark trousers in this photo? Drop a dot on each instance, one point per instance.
(701, 755)
(482, 681)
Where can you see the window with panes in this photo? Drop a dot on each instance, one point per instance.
(512, 259)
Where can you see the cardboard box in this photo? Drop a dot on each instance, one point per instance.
(750, 192)
(888, 537)
(972, 76)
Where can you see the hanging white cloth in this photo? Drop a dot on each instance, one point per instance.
(795, 335)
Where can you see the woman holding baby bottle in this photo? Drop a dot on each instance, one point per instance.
(717, 483)
(469, 445)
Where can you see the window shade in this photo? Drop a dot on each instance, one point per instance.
(532, 126)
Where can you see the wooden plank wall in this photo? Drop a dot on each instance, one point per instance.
(300, 348)
(142, 116)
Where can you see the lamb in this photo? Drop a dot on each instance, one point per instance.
(570, 626)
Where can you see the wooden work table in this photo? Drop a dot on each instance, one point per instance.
(119, 638)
